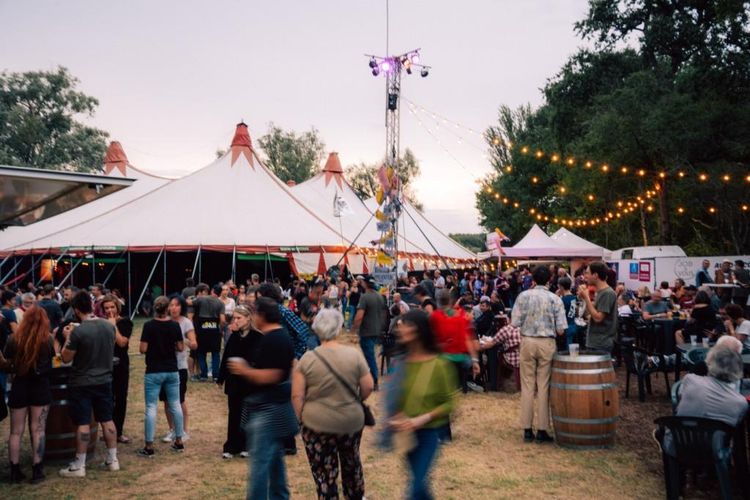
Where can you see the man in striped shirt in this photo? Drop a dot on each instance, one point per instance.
(540, 315)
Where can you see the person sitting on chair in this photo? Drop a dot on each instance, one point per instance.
(714, 396)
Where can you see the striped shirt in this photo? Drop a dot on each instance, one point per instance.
(539, 313)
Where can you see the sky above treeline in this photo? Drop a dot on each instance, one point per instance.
(174, 77)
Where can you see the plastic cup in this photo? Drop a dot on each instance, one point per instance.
(573, 349)
(705, 342)
(694, 340)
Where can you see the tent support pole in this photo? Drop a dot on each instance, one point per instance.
(113, 269)
(93, 267)
(148, 280)
(195, 264)
(70, 273)
(354, 241)
(130, 291)
(270, 266)
(234, 261)
(448, 267)
(164, 290)
(5, 278)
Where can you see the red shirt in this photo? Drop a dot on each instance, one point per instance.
(451, 331)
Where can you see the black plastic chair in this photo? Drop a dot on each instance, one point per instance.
(628, 347)
(698, 443)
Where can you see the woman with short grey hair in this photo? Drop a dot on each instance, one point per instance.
(324, 385)
(724, 361)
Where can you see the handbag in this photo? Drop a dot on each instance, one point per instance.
(369, 417)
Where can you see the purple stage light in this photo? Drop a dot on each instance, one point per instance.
(385, 66)
(415, 58)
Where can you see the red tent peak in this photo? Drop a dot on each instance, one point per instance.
(115, 158)
(333, 164)
(242, 145)
(242, 136)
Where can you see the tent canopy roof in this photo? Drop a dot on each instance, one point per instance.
(537, 244)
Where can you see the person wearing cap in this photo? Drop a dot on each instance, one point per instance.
(742, 282)
(724, 277)
(370, 322)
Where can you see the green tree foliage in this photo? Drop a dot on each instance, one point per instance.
(292, 156)
(39, 122)
(474, 242)
(677, 103)
(364, 178)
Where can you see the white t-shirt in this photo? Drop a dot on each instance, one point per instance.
(182, 357)
(744, 329)
(440, 282)
(228, 307)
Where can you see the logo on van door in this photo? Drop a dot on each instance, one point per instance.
(644, 271)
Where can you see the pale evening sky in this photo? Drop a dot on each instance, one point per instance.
(173, 78)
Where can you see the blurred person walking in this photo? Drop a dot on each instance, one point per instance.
(328, 387)
(28, 355)
(420, 398)
(268, 409)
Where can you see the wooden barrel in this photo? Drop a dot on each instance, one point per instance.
(584, 400)
(60, 431)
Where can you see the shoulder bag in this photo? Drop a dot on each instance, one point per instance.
(369, 417)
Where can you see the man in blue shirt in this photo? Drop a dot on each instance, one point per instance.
(703, 276)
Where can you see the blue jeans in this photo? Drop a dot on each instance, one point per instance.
(152, 385)
(352, 311)
(420, 461)
(215, 361)
(368, 349)
(266, 478)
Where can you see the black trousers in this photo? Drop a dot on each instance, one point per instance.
(120, 382)
(236, 441)
(462, 374)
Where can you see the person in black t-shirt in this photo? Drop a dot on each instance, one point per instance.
(425, 300)
(160, 341)
(271, 417)
(121, 370)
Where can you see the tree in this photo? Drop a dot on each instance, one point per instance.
(364, 178)
(291, 156)
(39, 125)
(474, 242)
(675, 105)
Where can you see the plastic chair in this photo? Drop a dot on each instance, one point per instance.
(697, 443)
(675, 395)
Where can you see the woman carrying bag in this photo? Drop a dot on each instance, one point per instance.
(328, 387)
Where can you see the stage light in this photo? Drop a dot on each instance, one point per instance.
(373, 63)
(424, 72)
(385, 66)
(376, 70)
(414, 58)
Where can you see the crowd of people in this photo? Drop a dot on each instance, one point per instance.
(278, 355)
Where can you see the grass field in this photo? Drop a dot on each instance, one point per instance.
(487, 459)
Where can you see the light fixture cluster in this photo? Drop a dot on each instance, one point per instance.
(409, 62)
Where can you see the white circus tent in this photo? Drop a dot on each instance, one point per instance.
(331, 197)
(568, 239)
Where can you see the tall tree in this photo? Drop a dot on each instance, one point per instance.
(292, 156)
(39, 122)
(364, 177)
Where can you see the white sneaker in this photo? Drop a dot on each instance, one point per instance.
(113, 466)
(226, 455)
(244, 454)
(71, 472)
(185, 437)
(474, 387)
(168, 437)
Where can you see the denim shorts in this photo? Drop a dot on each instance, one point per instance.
(82, 400)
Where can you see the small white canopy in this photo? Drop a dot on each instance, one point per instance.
(536, 244)
(568, 239)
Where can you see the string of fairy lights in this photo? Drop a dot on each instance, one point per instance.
(618, 210)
